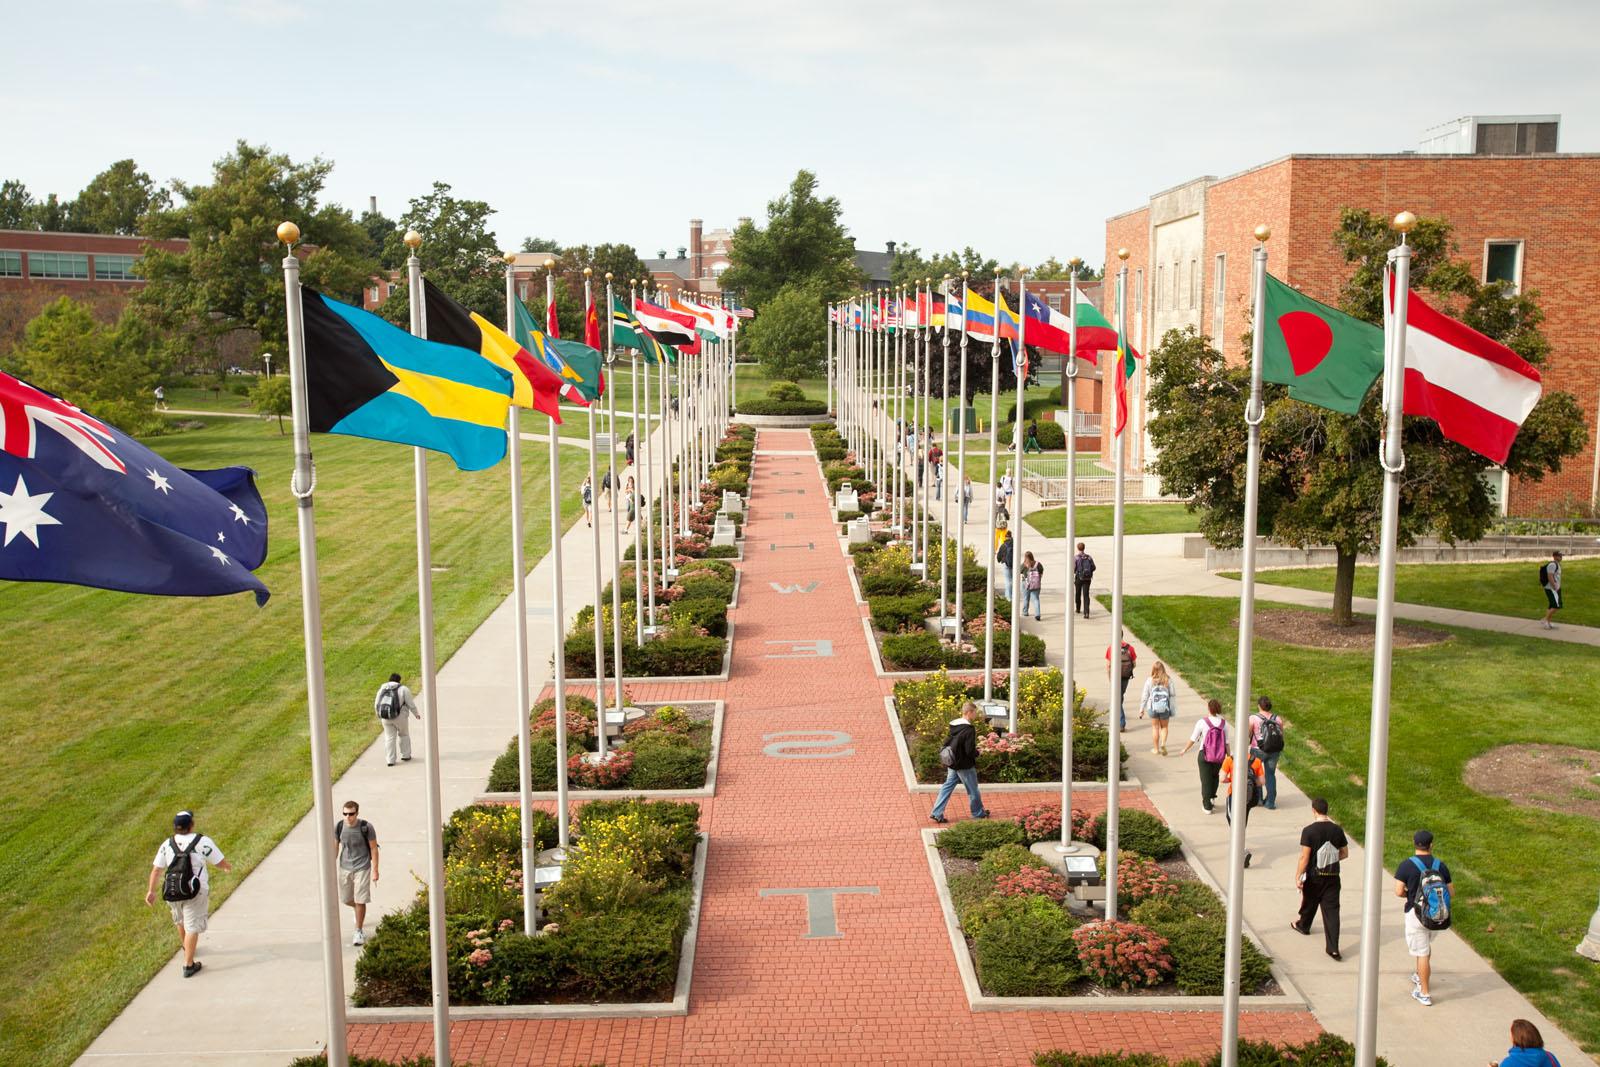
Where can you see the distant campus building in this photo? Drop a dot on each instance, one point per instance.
(1520, 211)
(37, 268)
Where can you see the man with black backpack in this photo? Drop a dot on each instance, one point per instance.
(1082, 574)
(1266, 745)
(393, 703)
(181, 866)
(1423, 882)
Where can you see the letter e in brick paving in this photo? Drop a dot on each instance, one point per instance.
(820, 739)
(818, 649)
(822, 918)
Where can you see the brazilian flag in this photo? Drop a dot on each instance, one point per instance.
(368, 378)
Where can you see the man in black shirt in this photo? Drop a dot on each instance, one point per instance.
(1419, 939)
(1322, 846)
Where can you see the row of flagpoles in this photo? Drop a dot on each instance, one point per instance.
(1478, 391)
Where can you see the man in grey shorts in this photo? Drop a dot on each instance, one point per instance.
(355, 845)
(189, 911)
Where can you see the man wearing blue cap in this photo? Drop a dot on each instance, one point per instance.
(181, 866)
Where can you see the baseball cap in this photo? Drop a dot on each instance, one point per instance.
(1422, 839)
(182, 819)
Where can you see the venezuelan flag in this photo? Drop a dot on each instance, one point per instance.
(367, 378)
(533, 385)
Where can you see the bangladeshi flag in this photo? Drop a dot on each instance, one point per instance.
(1324, 356)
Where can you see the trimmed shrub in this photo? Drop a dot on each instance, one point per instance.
(901, 614)
(505, 775)
(625, 955)
(1138, 879)
(1052, 435)
(1197, 947)
(785, 391)
(883, 581)
(767, 406)
(711, 613)
(1007, 859)
(722, 552)
(1137, 831)
(1121, 955)
(967, 891)
(969, 840)
(1027, 949)
(1326, 1050)
(663, 760)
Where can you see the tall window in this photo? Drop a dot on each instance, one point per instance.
(1177, 282)
(1502, 262)
(1194, 284)
(1161, 285)
(58, 265)
(1219, 289)
(1138, 291)
(114, 268)
(10, 264)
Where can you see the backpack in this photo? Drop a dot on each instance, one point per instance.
(390, 705)
(1431, 899)
(1270, 735)
(1036, 577)
(1252, 791)
(1128, 656)
(1326, 858)
(1215, 747)
(1160, 700)
(181, 882)
(1083, 568)
(1544, 574)
(947, 756)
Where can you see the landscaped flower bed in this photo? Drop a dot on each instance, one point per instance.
(925, 707)
(612, 927)
(692, 614)
(1026, 940)
(1326, 1050)
(669, 748)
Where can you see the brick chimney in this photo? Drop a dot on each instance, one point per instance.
(696, 249)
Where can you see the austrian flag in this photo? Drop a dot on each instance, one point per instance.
(1476, 389)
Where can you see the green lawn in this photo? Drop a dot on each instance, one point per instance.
(1094, 520)
(137, 706)
(196, 398)
(1493, 588)
(1524, 878)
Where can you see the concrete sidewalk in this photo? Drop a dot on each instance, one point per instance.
(262, 982)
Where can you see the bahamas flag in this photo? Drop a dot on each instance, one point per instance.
(577, 365)
(533, 385)
(367, 378)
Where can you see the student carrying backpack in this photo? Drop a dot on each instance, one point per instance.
(1266, 735)
(1423, 882)
(389, 705)
(1211, 734)
(182, 881)
(1430, 898)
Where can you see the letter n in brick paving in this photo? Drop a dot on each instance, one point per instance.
(822, 918)
(818, 739)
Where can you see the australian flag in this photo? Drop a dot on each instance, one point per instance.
(81, 502)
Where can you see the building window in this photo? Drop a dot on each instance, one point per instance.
(1502, 262)
(10, 264)
(1194, 284)
(1161, 285)
(58, 265)
(114, 268)
(1138, 291)
(1055, 302)
(1218, 293)
(1177, 283)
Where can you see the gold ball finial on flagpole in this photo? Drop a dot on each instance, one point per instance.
(1123, 254)
(1075, 262)
(1263, 233)
(632, 282)
(1405, 222)
(964, 275)
(587, 271)
(288, 233)
(510, 258)
(549, 264)
(947, 277)
(608, 276)
(412, 239)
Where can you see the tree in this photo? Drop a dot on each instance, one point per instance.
(271, 396)
(803, 243)
(100, 369)
(116, 199)
(378, 226)
(1053, 270)
(790, 335)
(540, 244)
(16, 204)
(909, 264)
(458, 254)
(1320, 479)
(229, 279)
(51, 215)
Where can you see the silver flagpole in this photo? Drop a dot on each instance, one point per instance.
(641, 430)
(1114, 716)
(594, 532)
(558, 626)
(1016, 512)
(651, 493)
(944, 464)
(616, 528)
(304, 482)
(832, 326)
(1393, 461)
(925, 432)
(519, 599)
(994, 494)
(438, 961)
(1239, 802)
(960, 591)
(1069, 684)
(914, 376)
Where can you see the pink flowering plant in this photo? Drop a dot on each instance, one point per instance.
(1032, 881)
(600, 775)
(1139, 879)
(1042, 822)
(1121, 955)
(1004, 745)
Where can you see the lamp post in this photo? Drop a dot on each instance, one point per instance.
(268, 357)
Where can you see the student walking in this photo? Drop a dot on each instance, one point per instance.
(936, 457)
(1252, 791)
(1032, 584)
(182, 867)
(605, 488)
(1550, 578)
(587, 493)
(1266, 745)
(1527, 1048)
(1211, 734)
(1082, 574)
(1003, 555)
(633, 504)
(392, 704)
(627, 447)
(1423, 882)
(1000, 497)
(960, 756)
(1032, 443)
(1126, 661)
(1159, 701)
(1322, 845)
(355, 847)
(966, 495)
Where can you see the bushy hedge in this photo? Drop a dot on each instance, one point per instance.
(1138, 831)
(969, 840)
(900, 614)
(925, 652)
(1326, 1050)
(1026, 949)
(667, 656)
(1052, 436)
(767, 406)
(663, 757)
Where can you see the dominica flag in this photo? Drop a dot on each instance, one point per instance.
(577, 366)
(625, 329)
(533, 385)
(1324, 356)
(368, 378)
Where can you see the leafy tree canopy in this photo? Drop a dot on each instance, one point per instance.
(102, 369)
(458, 254)
(909, 264)
(540, 244)
(1052, 270)
(803, 243)
(117, 199)
(790, 335)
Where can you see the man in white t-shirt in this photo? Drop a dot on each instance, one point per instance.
(189, 910)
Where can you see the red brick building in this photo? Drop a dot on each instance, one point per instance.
(95, 269)
(1529, 219)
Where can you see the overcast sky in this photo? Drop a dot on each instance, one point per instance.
(1015, 128)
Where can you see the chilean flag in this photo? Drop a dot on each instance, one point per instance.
(1476, 389)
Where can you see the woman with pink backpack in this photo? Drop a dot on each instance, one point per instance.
(1211, 734)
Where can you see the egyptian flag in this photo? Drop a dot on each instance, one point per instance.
(368, 378)
(533, 385)
(669, 327)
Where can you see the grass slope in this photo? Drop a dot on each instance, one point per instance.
(1494, 588)
(1094, 520)
(126, 708)
(1523, 877)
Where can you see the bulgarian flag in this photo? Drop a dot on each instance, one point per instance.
(1324, 356)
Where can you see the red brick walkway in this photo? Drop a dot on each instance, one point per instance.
(887, 991)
